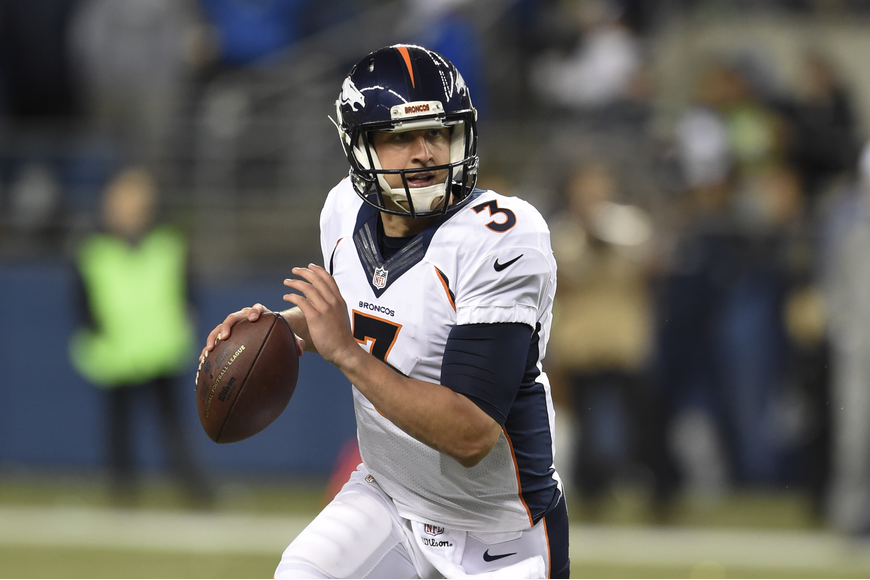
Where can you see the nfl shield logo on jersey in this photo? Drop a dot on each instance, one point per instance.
(433, 530)
(379, 280)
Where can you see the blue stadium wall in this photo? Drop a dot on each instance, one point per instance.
(51, 418)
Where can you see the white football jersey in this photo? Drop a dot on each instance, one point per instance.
(488, 262)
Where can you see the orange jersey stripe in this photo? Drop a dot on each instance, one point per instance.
(517, 471)
(403, 50)
(549, 555)
(446, 288)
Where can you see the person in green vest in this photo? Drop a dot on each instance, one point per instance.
(134, 276)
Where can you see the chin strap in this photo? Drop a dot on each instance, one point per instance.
(425, 198)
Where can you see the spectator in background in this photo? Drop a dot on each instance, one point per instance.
(134, 277)
(822, 140)
(33, 213)
(724, 345)
(38, 102)
(755, 130)
(603, 69)
(809, 378)
(134, 60)
(602, 330)
(702, 148)
(848, 301)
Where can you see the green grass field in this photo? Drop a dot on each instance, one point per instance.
(62, 526)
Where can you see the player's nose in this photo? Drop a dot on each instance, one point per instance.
(421, 150)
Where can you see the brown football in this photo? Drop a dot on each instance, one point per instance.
(245, 383)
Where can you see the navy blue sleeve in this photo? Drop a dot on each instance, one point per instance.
(486, 363)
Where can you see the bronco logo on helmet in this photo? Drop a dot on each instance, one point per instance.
(350, 95)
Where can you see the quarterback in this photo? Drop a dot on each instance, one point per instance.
(434, 299)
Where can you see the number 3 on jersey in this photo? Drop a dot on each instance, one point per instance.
(510, 218)
(378, 334)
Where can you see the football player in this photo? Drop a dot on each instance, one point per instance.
(435, 301)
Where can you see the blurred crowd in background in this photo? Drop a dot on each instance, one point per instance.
(708, 195)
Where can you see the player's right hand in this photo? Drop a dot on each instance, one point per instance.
(222, 330)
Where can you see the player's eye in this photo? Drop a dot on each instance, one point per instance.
(438, 134)
(402, 137)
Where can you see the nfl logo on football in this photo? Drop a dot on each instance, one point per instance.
(433, 530)
(379, 280)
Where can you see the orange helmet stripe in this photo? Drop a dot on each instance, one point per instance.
(403, 50)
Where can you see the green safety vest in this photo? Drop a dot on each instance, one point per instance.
(138, 299)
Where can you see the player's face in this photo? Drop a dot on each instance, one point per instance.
(414, 150)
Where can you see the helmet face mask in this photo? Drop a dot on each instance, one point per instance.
(407, 88)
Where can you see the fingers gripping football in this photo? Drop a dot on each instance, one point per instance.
(324, 309)
(222, 330)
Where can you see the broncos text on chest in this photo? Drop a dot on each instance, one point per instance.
(376, 308)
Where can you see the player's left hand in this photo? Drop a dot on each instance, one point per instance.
(324, 309)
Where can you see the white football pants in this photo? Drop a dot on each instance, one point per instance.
(360, 534)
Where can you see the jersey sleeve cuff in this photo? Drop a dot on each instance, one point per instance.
(519, 313)
(487, 408)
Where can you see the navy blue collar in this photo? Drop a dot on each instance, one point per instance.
(383, 272)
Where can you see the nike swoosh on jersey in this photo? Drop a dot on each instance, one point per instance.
(499, 267)
(487, 557)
